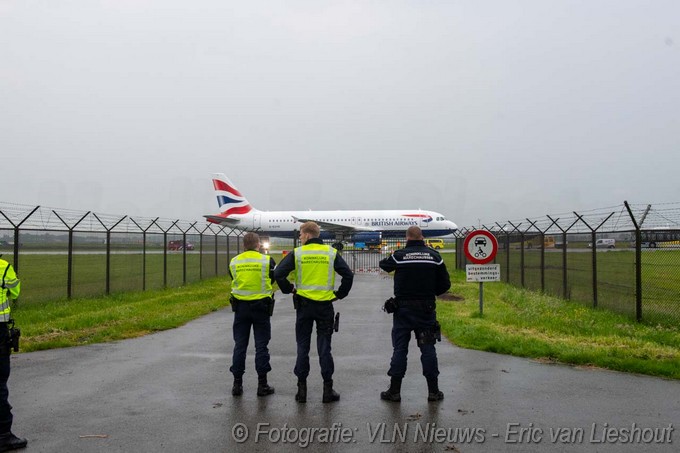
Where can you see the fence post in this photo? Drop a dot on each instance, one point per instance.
(108, 250)
(16, 235)
(542, 238)
(564, 255)
(507, 251)
(638, 263)
(200, 252)
(69, 271)
(460, 252)
(229, 247)
(165, 252)
(144, 230)
(593, 239)
(216, 247)
(184, 251)
(521, 251)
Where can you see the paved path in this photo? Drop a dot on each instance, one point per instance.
(171, 392)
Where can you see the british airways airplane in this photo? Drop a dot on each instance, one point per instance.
(236, 212)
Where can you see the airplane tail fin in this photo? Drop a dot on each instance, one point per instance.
(229, 198)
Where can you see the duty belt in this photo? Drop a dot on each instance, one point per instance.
(264, 299)
(416, 303)
(307, 300)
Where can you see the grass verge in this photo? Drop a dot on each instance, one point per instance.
(64, 323)
(529, 324)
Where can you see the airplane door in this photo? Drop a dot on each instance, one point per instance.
(359, 221)
(425, 221)
(257, 220)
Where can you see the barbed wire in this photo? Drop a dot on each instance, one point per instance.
(605, 219)
(45, 218)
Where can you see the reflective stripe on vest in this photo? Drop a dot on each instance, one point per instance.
(314, 272)
(9, 281)
(250, 272)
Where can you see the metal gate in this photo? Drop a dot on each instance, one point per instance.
(365, 260)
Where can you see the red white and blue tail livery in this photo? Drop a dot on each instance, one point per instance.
(237, 212)
(229, 198)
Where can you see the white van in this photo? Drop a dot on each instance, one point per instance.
(604, 243)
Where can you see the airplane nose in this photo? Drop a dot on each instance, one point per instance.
(452, 226)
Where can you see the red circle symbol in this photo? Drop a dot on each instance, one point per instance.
(480, 247)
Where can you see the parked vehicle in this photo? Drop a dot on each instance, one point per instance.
(660, 237)
(179, 245)
(604, 243)
(435, 243)
(535, 242)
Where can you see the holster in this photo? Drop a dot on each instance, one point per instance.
(296, 301)
(234, 303)
(430, 335)
(390, 306)
(271, 306)
(13, 339)
(336, 323)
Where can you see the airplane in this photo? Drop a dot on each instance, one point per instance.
(365, 225)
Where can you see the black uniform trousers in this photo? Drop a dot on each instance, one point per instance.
(5, 407)
(405, 321)
(255, 314)
(322, 313)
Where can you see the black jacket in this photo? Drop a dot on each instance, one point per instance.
(420, 272)
(287, 265)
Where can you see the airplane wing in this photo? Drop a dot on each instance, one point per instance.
(334, 227)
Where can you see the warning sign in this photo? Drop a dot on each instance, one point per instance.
(480, 247)
(483, 272)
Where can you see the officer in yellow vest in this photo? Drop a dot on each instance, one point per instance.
(252, 274)
(10, 290)
(315, 265)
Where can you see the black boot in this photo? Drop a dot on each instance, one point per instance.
(263, 389)
(9, 441)
(237, 389)
(329, 395)
(394, 392)
(433, 390)
(301, 395)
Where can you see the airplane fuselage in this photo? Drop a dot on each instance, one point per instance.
(390, 223)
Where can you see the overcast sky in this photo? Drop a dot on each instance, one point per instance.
(477, 109)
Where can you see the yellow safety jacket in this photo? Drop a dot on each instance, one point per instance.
(10, 288)
(250, 273)
(314, 272)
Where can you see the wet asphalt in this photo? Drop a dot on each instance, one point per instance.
(170, 391)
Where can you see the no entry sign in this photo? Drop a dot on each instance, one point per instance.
(480, 247)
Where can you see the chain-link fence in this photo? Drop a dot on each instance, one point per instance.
(59, 253)
(624, 258)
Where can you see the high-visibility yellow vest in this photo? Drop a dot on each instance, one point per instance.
(11, 287)
(314, 272)
(250, 272)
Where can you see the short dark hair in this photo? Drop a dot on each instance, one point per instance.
(251, 241)
(414, 233)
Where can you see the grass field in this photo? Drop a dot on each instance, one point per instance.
(44, 277)
(62, 323)
(528, 324)
(615, 279)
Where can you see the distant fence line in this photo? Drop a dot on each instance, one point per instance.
(92, 250)
(62, 253)
(633, 269)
